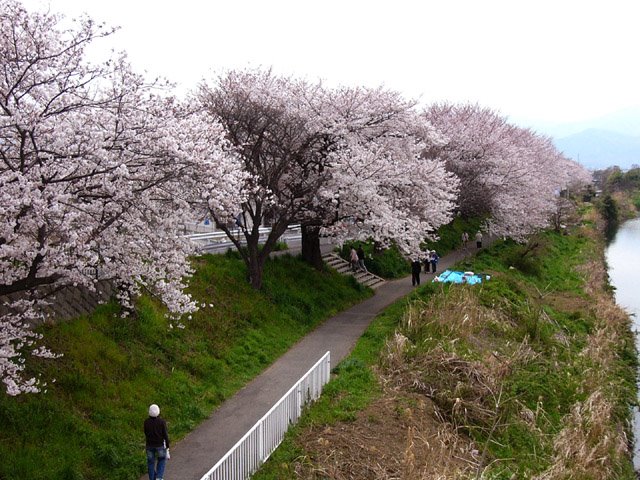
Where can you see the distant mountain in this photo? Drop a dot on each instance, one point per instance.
(626, 122)
(596, 149)
(602, 142)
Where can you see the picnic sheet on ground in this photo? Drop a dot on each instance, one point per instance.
(454, 276)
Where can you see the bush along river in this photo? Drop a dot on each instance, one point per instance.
(623, 259)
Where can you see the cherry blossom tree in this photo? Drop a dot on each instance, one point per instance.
(537, 175)
(344, 160)
(475, 142)
(271, 123)
(508, 174)
(380, 186)
(97, 170)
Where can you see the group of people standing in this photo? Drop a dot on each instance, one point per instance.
(430, 263)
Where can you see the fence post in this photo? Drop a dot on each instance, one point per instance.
(328, 368)
(261, 440)
(299, 400)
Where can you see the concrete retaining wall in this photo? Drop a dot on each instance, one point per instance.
(67, 303)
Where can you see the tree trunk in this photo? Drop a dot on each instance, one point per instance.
(253, 259)
(311, 246)
(255, 267)
(256, 256)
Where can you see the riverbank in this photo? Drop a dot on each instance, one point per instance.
(529, 375)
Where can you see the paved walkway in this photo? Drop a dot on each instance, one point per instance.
(194, 455)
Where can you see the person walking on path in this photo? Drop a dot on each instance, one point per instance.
(354, 260)
(434, 261)
(465, 240)
(361, 264)
(415, 272)
(157, 443)
(479, 239)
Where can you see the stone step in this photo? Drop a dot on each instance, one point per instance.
(343, 267)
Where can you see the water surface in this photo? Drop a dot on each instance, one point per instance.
(623, 259)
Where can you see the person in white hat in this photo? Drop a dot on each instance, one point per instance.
(157, 443)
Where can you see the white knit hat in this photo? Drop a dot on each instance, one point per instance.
(154, 410)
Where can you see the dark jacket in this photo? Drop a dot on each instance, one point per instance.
(155, 432)
(415, 267)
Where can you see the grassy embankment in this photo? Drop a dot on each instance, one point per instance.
(88, 423)
(628, 204)
(529, 375)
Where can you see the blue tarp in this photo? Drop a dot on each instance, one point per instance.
(453, 276)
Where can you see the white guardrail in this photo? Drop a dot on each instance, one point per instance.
(218, 240)
(252, 450)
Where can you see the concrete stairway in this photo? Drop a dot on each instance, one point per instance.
(342, 266)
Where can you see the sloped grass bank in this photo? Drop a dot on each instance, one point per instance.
(88, 423)
(529, 375)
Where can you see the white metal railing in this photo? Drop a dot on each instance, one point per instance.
(218, 240)
(219, 234)
(254, 448)
(198, 227)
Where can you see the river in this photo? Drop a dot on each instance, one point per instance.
(623, 259)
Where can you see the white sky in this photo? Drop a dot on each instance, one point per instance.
(539, 60)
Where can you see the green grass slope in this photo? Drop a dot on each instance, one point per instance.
(87, 425)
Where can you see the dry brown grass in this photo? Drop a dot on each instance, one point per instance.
(587, 446)
(397, 437)
(466, 394)
(567, 302)
(416, 429)
(594, 272)
(452, 395)
(454, 317)
(612, 325)
(457, 314)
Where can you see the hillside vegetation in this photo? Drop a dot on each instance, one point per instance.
(529, 375)
(88, 424)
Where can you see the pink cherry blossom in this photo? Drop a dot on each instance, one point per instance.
(97, 171)
(346, 160)
(508, 174)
